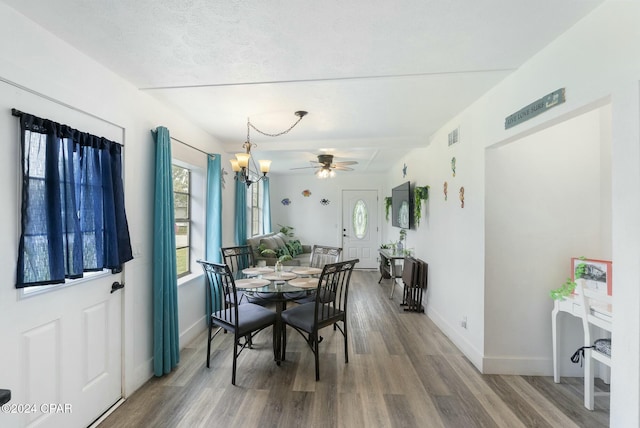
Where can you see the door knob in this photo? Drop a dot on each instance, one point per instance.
(116, 286)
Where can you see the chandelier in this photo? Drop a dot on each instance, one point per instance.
(245, 167)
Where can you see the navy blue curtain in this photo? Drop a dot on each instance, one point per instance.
(73, 215)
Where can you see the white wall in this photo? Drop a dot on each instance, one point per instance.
(544, 199)
(597, 61)
(315, 223)
(47, 76)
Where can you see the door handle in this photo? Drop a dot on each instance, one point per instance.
(116, 286)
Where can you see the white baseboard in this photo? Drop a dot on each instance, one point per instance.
(458, 340)
(192, 331)
(506, 365)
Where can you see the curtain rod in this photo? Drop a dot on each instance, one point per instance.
(17, 113)
(194, 148)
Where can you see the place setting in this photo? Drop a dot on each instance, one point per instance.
(304, 282)
(306, 270)
(259, 270)
(251, 283)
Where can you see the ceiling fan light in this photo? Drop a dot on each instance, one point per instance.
(324, 173)
(234, 165)
(243, 159)
(332, 173)
(265, 165)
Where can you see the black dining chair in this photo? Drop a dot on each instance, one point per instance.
(320, 256)
(308, 318)
(238, 258)
(244, 321)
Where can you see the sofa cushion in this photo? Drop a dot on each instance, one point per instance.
(270, 243)
(280, 239)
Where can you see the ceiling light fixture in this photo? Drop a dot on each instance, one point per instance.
(245, 167)
(325, 172)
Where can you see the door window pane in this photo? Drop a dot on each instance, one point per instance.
(360, 219)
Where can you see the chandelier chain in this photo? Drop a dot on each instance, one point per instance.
(249, 124)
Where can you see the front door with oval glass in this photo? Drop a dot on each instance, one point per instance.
(360, 234)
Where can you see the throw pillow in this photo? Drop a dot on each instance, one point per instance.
(282, 251)
(297, 246)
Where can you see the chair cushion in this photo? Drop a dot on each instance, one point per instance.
(302, 316)
(251, 317)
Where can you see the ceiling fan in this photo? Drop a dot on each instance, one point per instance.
(326, 167)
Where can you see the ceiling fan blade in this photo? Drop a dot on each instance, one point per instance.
(346, 163)
(341, 168)
(305, 167)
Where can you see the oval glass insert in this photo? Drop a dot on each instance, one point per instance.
(360, 219)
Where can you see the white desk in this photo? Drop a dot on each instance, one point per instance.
(572, 306)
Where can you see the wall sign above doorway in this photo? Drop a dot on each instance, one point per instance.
(535, 108)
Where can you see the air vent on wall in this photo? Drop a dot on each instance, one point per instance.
(454, 136)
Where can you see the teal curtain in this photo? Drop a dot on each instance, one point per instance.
(166, 348)
(241, 212)
(214, 210)
(266, 206)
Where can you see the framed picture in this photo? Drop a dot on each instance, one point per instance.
(597, 274)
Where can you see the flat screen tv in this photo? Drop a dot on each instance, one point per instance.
(402, 206)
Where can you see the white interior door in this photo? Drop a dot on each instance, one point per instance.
(61, 349)
(66, 348)
(360, 233)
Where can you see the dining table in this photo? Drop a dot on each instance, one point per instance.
(279, 288)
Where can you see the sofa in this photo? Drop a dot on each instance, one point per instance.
(280, 244)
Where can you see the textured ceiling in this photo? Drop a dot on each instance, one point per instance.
(377, 77)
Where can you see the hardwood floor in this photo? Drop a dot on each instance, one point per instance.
(402, 372)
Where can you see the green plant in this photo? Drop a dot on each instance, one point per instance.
(286, 230)
(284, 258)
(403, 234)
(567, 288)
(387, 207)
(267, 252)
(420, 193)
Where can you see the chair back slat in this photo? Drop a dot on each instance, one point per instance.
(238, 258)
(333, 289)
(220, 290)
(594, 306)
(322, 254)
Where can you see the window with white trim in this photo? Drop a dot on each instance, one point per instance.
(182, 211)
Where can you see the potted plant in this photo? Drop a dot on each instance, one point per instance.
(403, 236)
(569, 285)
(387, 206)
(286, 230)
(419, 194)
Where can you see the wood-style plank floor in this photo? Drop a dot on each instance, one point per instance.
(402, 372)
